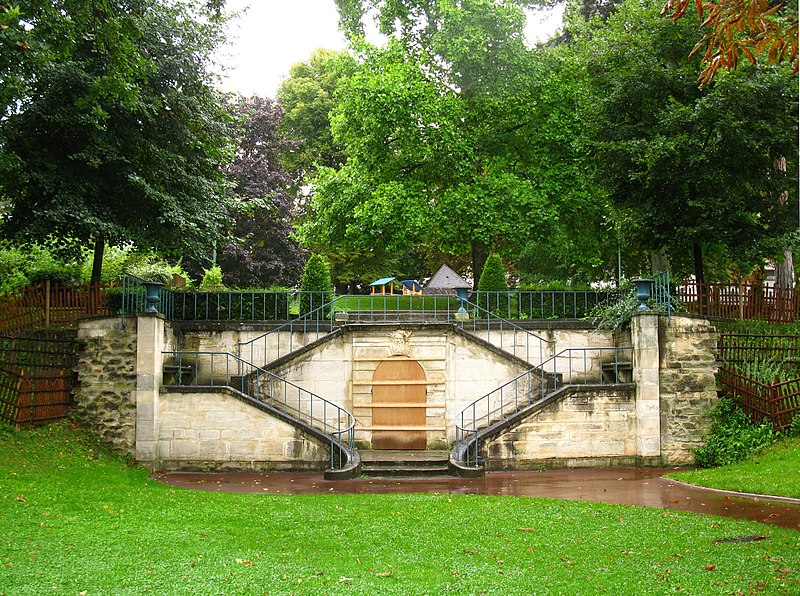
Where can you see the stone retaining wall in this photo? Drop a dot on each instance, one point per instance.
(107, 378)
(216, 430)
(688, 349)
(591, 426)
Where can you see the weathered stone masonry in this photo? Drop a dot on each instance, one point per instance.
(107, 377)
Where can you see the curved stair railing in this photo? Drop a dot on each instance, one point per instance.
(507, 336)
(305, 409)
(572, 366)
(315, 324)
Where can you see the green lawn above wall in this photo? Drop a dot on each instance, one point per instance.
(772, 471)
(74, 519)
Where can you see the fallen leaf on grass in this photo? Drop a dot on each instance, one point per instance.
(709, 568)
(386, 574)
(21, 499)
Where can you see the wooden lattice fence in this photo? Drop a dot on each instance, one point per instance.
(36, 379)
(778, 402)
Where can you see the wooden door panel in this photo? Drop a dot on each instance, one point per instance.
(398, 397)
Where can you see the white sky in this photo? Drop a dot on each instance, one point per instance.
(274, 34)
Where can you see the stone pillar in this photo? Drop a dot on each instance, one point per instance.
(644, 335)
(149, 374)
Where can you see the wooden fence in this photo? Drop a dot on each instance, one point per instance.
(778, 402)
(46, 304)
(36, 379)
(740, 301)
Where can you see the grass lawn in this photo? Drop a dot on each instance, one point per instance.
(76, 520)
(773, 471)
(396, 302)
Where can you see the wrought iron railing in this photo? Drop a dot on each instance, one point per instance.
(543, 304)
(661, 293)
(572, 366)
(290, 336)
(132, 299)
(217, 369)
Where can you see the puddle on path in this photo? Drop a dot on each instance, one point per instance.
(625, 486)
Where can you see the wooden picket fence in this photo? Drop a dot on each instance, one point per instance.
(47, 303)
(778, 402)
(740, 301)
(36, 378)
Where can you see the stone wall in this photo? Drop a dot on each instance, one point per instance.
(688, 350)
(216, 430)
(458, 370)
(107, 378)
(589, 426)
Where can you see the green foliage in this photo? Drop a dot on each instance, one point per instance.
(315, 285)
(212, 279)
(155, 271)
(115, 131)
(689, 170)
(774, 470)
(28, 264)
(733, 436)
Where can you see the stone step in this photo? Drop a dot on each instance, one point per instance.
(404, 463)
(404, 471)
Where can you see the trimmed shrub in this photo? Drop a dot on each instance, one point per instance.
(493, 292)
(316, 288)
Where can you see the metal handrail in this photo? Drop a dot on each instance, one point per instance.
(530, 388)
(543, 304)
(318, 321)
(491, 322)
(133, 297)
(229, 370)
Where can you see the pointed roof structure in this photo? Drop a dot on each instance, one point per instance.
(446, 281)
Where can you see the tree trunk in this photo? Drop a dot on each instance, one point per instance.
(97, 261)
(659, 261)
(699, 277)
(479, 256)
(784, 271)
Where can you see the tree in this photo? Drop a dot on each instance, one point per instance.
(741, 28)
(434, 126)
(260, 250)
(307, 97)
(119, 135)
(692, 168)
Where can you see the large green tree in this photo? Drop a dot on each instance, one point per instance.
(690, 170)
(436, 127)
(117, 135)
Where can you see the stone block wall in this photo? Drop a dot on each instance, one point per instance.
(216, 430)
(107, 379)
(688, 385)
(591, 426)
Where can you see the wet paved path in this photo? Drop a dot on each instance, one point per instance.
(625, 486)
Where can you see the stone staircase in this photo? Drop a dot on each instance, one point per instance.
(404, 464)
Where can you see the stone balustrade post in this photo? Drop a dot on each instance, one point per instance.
(149, 374)
(644, 336)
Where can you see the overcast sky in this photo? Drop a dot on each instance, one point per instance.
(274, 34)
